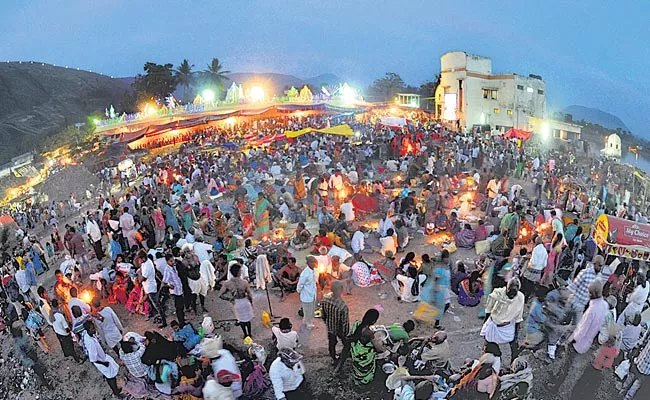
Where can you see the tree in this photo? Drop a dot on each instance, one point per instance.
(215, 75)
(158, 82)
(184, 75)
(428, 90)
(386, 88)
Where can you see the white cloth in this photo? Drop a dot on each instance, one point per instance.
(22, 281)
(404, 291)
(227, 362)
(307, 285)
(202, 251)
(499, 335)
(348, 210)
(262, 272)
(384, 225)
(539, 258)
(148, 272)
(96, 354)
(60, 324)
(285, 379)
(92, 228)
(387, 243)
(85, 308)
(208, 275)
(358, 242)
(110, 329)
(636, 300)
(288, 340)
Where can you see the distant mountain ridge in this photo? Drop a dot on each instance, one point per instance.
(595, 116)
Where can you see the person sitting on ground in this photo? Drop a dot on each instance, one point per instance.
(458, 276)
(408, 286)
(186, 335)
(284, 337)
(481, 231)
(321, 240)
(388, 242)
(436, 352)
(470, 290)
(301, 237)
(466, 238)
(287, 276)
(400, 332)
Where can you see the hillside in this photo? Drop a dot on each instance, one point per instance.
(595, 116)
(37, 100)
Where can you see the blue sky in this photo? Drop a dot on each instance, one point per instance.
(590, 53)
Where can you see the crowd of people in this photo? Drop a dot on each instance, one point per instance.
(209, 219)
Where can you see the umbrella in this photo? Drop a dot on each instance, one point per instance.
(365, 203)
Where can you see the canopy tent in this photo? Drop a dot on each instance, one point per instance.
(6, 220)
(343, 130)
(622, 237)
(518, 134)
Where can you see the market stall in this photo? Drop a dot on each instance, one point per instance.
(622, 237)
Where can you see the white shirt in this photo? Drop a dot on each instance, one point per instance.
(307, 285)
(93, 230)
(336, 182)
(539, 258)
(96, 353)
(21, 280)
(85, 308)
(60, 324)
(384, 225)
(202, 251)
(405, 293)
(110, 329)
(348, 210)
(126, 222)
(285, 379)
(287, 340)
(358, 242)
(148, 272)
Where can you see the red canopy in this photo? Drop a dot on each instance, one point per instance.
(518, 134)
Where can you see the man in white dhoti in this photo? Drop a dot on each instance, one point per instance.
(504, 312)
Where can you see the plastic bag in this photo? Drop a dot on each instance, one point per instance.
(207, 325)
(622, 369)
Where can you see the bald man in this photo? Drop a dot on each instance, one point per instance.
(437, 350)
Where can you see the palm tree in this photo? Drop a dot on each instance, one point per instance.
(184, 74)
(215, 73)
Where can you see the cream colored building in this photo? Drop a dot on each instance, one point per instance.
(553, 128)
(470, 95)
(613, 147)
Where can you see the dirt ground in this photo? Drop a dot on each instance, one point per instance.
(73, 381)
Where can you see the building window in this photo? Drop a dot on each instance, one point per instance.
(520, 87)
(497, 110)
(494, 94)
(529, 89)
(509, 112)
(540, 91)
(486, 93)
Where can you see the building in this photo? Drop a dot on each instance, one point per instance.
(553, 128)
(612, 147)
(470, 95)
(408, 100)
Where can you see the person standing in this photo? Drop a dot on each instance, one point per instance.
(150, 287)
(307, 289)
(95, 236)
(63, 332)
(504, 313)
(580, 285)
(242, 299)
(108, 324)
(102, 361)
(173, 281)
(336, 318)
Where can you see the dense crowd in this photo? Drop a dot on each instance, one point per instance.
(209, 219)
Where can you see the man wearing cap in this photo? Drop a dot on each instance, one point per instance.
(286, 373)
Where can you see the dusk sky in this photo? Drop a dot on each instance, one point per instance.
(589, 54)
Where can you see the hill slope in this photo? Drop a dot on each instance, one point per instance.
(37, 100)
(595, 116)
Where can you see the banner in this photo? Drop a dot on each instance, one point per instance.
(622, 237)
(344, 130)
(632, 252)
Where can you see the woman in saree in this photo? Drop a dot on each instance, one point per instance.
(299, 191)
(466, 238)
(470, 291)
(114, 247)
(360, 346)
(187, 213)
(262, 219)
(119, 289)
(136, 303)
(480, 383)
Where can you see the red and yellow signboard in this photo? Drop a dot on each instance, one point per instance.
(623, 238)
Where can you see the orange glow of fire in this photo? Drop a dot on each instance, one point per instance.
(439, 239)
(86, 296)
